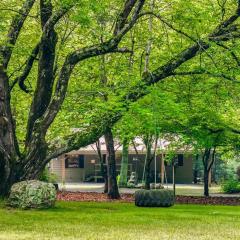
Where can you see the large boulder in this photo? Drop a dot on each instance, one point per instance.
(32, 194)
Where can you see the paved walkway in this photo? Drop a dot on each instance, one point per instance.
(181, 189)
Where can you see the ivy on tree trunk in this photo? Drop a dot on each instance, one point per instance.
(124, 164)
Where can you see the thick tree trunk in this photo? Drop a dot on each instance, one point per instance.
(113, 192)
(205, 160)
(11, 172)
(8, 143)
(4, 175)
(149, 157)
(124, 164)
(148, 173)
(43, 91)
(206, 182)
(102, 166)
(208, 160)
(105, 190)
(105, 177)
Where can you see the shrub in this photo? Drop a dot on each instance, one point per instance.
(118, 180)
(154, 198)
(238, 173)
(231, 186)
(48, 177)
(32, 194)
(130, 185)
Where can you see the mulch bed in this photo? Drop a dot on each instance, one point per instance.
(92, 197)
(100, 197)
(231, 201)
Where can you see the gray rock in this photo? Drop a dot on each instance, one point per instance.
(32, 194)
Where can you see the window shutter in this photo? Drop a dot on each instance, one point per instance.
(66, 162)
(81, 161)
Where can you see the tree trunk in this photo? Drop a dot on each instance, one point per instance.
(102, 166)
(149, 159)
(206, 183)
(124, 165)
(113, 192)
(5, 182)
(11, 173)
(105, 190)
(208, 160)
(8, 142)
(45, 80)
(13, 167)
(148, 174)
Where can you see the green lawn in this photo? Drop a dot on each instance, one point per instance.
(197, 190)
(75, 220)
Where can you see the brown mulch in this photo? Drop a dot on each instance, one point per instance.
(231, 201)
(100, 197)
(92, 197)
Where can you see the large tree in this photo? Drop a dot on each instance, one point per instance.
(53, 68)
(47, 99)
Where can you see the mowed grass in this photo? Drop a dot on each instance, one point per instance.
(76, 220)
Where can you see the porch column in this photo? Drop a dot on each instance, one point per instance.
(162, 169)
(63, 169)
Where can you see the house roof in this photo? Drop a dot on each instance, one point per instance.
(137, 145)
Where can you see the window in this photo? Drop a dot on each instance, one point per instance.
(74, 161)
(180, 160)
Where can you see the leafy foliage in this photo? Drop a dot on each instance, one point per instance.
(231, 186)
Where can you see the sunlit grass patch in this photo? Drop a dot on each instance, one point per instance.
(78, 220)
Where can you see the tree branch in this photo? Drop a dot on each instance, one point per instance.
(45, 80)
(122, 18)
(14, 30)
(203, 71)
(234, 56)
(91, 133)
(28, 66)
(158, 16)
(75, 57)
(19, 12)
(54, 18)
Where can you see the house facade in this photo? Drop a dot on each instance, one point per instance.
(84, 165)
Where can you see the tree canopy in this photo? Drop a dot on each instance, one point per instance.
(52, 55)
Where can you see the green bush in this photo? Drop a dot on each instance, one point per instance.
(118, 179)
(48, 177)
(238, 173)
(154, 198)
(130, 185)
(231, 186)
